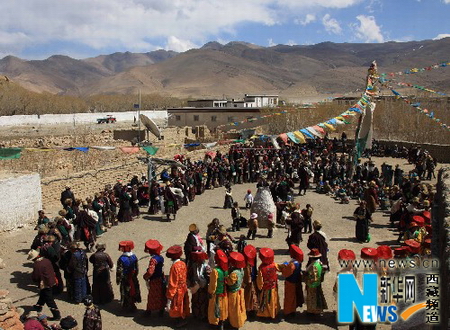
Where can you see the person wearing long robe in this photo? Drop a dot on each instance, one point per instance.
(85, 227)
(236, 303)
(171, 205)
(102, 290)
(371, 197)
(154, 207)
(78, 267)
(126, 277)
(292, 272)
(315, 299)
(249, 282)
(198, 277)
(218, 299)
(177, 292)
(154, 277)
(267, 281)
(124, 214)
(318, 240)
(363, 218)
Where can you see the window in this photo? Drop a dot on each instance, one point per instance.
(196, 117)
(177, 118)
(213, 118)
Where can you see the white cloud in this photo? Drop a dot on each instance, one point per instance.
(178, 45)
(308, 19)
(442, 35)
(447, 1)
(368, 30)
(331, 24)
(142, 25)
(291, 43)
(271, 43)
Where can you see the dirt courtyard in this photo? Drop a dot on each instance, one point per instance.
(335, 217)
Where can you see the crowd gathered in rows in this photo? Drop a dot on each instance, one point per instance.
(220, 272)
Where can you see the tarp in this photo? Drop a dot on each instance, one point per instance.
(314, 132)
(129, 150)
(83, 149)
(151, 150)
(300, 137)
(10, 153)
(292, 137)
(283, 137)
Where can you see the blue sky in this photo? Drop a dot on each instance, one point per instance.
(37, 29)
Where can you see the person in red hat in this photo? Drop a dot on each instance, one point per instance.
(318, 240)
(370, 254)
(198, 276)
(292, 272)
(315, 299)
(267, 281)
(345, 258)
(236, 303)
(413, 245)
(250, 275)
(177, 293)
(218, 299)
(413, 231)
(402, 252)
(154, 277)
(127, 276)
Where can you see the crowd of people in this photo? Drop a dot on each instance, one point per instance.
(221, 273)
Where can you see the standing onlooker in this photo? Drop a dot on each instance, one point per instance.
(315, 299)
(307, 218)
(67, 194)
(270, 225)
(177, 292)
(126, 276)
(211, 234)
(92, 319)
(252, 226)
(78, 267)
(102, 291)
(318, 240)
(192, 242)
(44, 276)
(363, 218)
(198, 277)
(236, 216)
(228, 203)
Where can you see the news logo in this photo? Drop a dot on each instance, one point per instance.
(377, 298)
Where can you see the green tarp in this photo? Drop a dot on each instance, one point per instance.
(10, 153)
(150, 150)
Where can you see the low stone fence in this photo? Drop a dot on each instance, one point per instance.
(441, 241)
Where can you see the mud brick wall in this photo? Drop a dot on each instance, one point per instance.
(441, 241)
(87, 183)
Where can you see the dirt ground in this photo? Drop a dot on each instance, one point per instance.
(337, 224)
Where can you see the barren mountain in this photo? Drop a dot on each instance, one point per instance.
(217, 70)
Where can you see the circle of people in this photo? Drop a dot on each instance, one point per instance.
(227, 284)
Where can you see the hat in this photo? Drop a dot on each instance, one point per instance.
(42, 316)
(314, 253)
(270, 216)
(199, 256)
(426, 203)
(427, 243)
(413, 245)
(253, 216)
(413, 224)
(416, 200)
(68, 323)
(402, 251)
(250, 254)
(369, 253)
(32, 314)
(153, 246)
(296, 253)
(419, 220)
(126, 246)
(427, 216)
(193, 227)
(384, 252)
(33, 254)
(62, 213)
(236, 260)
(345, 254)
(88, 300)
(221, 259)
(100, 246)
(174, 252)
(266, 255)
(249, 191)
(43, 230)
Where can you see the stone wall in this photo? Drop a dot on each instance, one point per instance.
(439, 151)
(441, 241)
(21, 199)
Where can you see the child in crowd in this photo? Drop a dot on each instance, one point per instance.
(228, 203)
(248, 199)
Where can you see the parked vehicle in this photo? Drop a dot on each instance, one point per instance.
(106, 120)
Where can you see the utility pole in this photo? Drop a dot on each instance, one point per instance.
(139, 119)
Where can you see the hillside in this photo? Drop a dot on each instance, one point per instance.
(230, 70)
